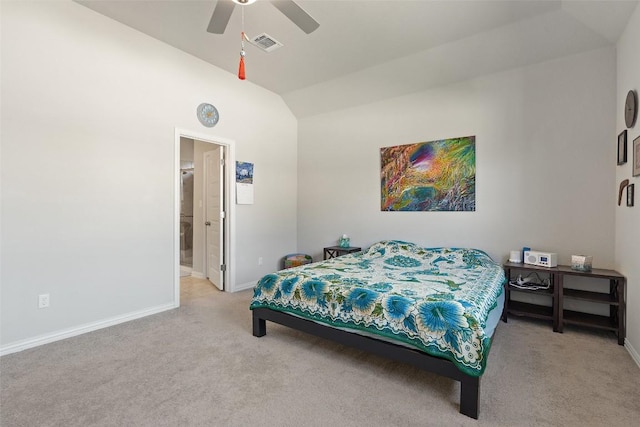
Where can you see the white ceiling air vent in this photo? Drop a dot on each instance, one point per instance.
(265, 42)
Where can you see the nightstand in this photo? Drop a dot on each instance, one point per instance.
(335, 251)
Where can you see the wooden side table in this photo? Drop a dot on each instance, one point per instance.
(336, 251)
(532, 310)
(614, 298)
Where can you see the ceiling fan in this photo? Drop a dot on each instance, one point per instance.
(289, 8)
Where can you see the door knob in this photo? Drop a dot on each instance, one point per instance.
(208, 223)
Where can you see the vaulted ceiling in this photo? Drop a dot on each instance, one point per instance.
(369, 50)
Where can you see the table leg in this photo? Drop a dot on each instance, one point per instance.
(558, 304)
(620, 286)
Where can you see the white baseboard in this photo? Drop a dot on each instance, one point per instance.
(632, 351)
(198, 275)
(83, 329)
(244, 286)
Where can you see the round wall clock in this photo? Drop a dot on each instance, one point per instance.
(208, 115)
(630, 109)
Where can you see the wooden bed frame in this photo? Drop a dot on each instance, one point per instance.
(469, 386)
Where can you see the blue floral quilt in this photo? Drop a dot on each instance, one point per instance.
(434, 299)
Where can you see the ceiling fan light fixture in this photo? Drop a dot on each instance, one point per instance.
(244, 2)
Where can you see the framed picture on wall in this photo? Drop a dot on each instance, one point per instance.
(630, 189)
(636, 157)
(622, 148)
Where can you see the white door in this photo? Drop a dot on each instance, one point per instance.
(214, 215)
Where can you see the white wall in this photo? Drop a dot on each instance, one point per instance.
(90, 109)
(544, 155)
(627, 244)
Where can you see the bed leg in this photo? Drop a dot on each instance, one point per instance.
(470, 396)
(259, 326)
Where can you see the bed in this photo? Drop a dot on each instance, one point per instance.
(434, 308)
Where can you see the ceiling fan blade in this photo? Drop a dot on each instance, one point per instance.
(221, 16)
(297, 15)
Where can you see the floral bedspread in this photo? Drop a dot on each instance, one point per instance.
(434, 299)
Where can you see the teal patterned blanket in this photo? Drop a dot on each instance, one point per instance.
(434, 299)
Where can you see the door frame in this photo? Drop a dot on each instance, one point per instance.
(229, 207)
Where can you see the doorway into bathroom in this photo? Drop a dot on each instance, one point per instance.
(186, 207)
(203, 227)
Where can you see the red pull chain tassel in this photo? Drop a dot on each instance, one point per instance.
(241, 74)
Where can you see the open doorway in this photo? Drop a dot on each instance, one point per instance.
(204, 211)
(186, 206)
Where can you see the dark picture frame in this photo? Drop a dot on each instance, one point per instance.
(622, 148)
(636, 157)
(630, 189)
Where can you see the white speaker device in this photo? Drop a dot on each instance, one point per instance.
(542, 259)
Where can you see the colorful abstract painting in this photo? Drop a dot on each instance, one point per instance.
(429, 176)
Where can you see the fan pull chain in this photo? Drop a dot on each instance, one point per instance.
(241, 72)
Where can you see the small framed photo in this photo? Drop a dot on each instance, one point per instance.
(630, 188)
(636, 157)
(622, 148)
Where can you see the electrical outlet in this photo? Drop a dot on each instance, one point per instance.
(259, 260)
(43, 300)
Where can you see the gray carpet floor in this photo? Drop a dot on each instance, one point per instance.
(199, 365)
